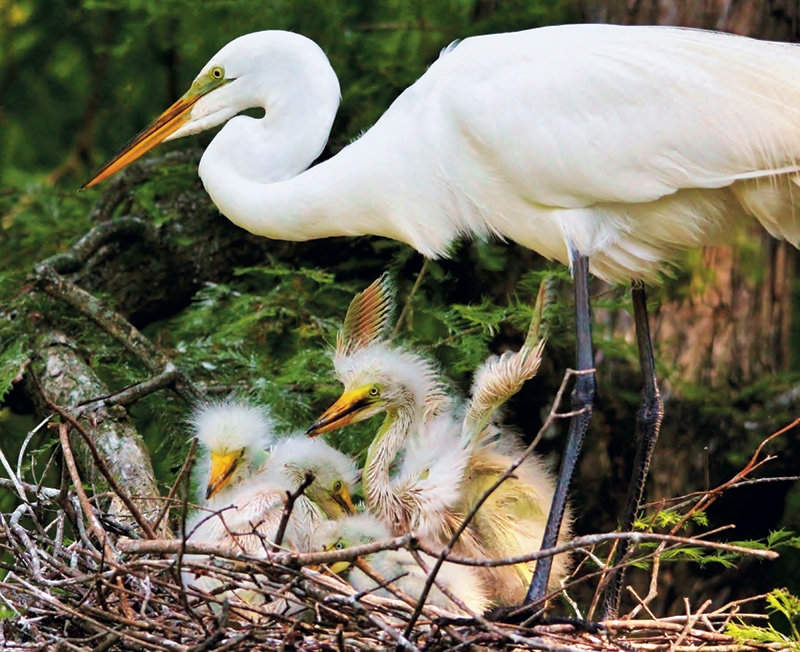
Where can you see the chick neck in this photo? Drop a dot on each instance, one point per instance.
(381, 497)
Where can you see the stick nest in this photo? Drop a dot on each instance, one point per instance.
(126, 593)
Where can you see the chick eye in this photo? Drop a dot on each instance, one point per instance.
(337, 486)
(374, 391)
(338, 545)
(217, 72)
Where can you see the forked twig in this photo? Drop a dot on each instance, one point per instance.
(288, 506)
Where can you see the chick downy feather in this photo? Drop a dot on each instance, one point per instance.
(225, 427)
(400, 567)
(248, 521)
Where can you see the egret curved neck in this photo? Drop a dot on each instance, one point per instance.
(335, 198)
(378, 491)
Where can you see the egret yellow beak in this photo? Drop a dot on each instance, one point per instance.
(345, 411)
(344, 501)
(223, 466)
(339, 567)
(157, 131)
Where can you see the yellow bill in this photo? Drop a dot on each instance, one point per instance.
(223, 466)
(349, 408)
(344, 501)
(161, 128)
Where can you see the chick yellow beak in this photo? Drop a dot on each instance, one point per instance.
(344, 501)
(345, 411)
(157, 131)
(223, 466)
(339, 567)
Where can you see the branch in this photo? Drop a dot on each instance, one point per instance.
(288, 506)
(100, 463)
(185, 470)
(46, 279)
(99, 235)
(94, 524)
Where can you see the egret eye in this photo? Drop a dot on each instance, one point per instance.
(217, 72)
(339, 545)
(374, 391)
(337, 486)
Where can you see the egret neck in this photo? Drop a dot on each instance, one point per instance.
(376, 479)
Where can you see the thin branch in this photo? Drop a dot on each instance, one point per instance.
(103, 468)
(94, 524)
(185, 469)
(288, 506)
(136, 391)
(410, 297)
(753, 464)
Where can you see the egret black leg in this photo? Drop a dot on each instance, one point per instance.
(648, 423)
(583, 403)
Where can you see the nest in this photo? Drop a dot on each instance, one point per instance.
(75, 597)
(82, 579)
(103, 573)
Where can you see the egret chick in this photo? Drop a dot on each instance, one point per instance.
(233, 438)
(253, 510)
(399, 566)
(250, 519)
(451, 456)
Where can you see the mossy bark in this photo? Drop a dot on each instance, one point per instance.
(64, 377)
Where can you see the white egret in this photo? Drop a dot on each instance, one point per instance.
(234, 438)
(608, 148)
(245, 515)
(450, 455)
(399, 566)
(251, 513)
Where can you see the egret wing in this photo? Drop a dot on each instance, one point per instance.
(603, 113)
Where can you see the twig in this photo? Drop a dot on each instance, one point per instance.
(25, 443)
(185, 469)
(69, 460)
(753, 464)
(691, 619)
(593, 540)
(172, 546)
(652, 591)
(410, 297)
(136, 391)
(103, 468)
(291, 497)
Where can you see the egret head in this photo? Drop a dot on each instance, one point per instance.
(349, 532)
(233, 437)
(381, 378)
(255, 70)
(335, 474)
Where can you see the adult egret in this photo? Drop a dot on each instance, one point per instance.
(608, 148)
(245, 515)
(234, 438)
(450, 455)
(398, 566)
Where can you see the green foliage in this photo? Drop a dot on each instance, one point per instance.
(779, 601)
(667, 518)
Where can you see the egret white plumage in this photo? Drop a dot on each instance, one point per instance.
(610, 148)
(245, 518)
(399, 566)
(234, 438)
(250, 514)
(450, 455)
